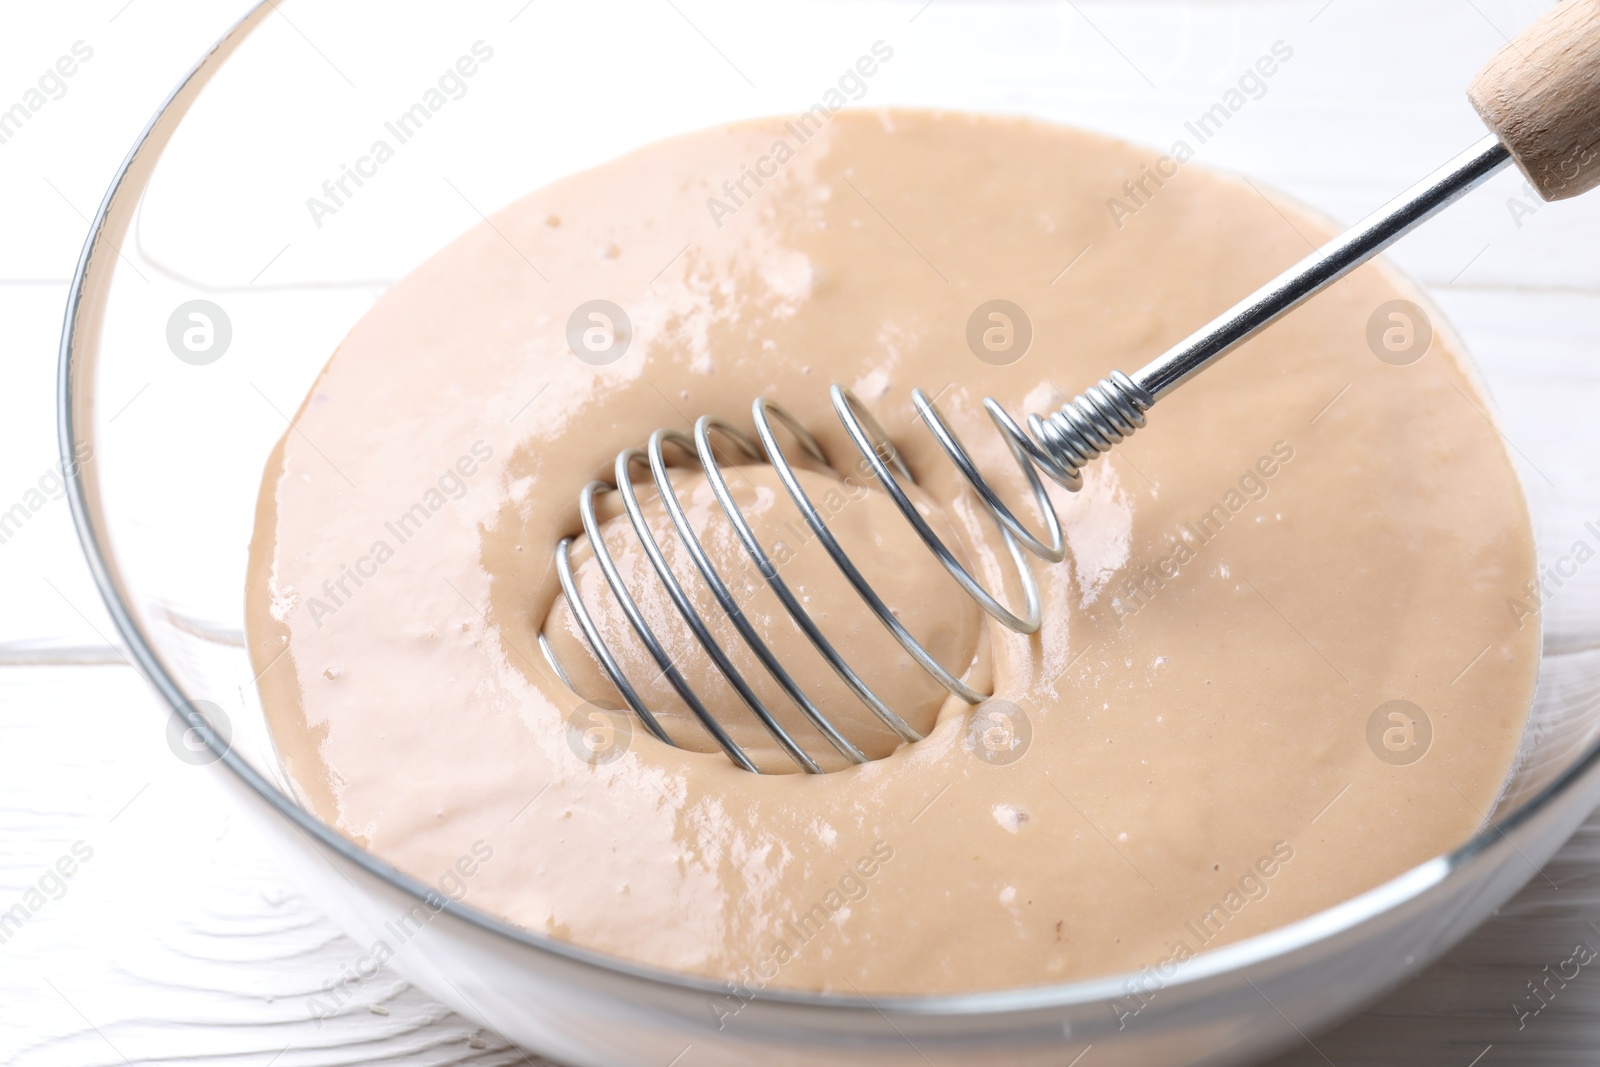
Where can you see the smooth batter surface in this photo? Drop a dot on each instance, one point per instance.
(1303, 534)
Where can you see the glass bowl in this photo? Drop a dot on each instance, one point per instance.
(216, 212)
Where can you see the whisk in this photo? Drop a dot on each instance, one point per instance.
(1538, 95)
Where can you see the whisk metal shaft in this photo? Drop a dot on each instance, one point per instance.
(1060, 444)
(1323, 267)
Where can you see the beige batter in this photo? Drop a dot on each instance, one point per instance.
(1303, 534)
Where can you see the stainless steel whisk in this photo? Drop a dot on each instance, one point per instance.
(1537, 94)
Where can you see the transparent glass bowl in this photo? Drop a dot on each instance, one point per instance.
(213, 205)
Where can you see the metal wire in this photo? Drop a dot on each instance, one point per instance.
(881, 459)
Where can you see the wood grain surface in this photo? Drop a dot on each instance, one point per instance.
(1541, 94)
(175, 939)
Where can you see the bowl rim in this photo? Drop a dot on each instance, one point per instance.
(1234, 957)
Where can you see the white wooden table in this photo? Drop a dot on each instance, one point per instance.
(176, 939)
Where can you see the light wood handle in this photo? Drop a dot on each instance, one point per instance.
(1541, 94)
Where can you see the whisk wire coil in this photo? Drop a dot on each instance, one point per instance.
(1085, 429)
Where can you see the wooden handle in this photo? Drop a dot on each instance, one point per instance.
(1541, 94)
